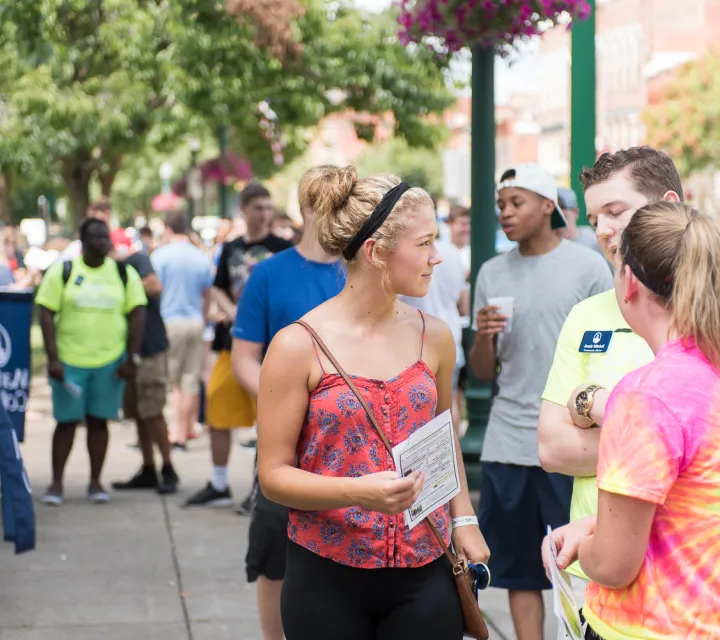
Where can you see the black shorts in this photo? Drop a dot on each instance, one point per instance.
(517, 504)
(267, 546)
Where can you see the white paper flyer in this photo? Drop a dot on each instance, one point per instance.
(566, 608)
(431, 449)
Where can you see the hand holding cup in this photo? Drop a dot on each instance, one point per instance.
(496, 318)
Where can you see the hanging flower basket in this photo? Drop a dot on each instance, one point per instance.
(484, 23)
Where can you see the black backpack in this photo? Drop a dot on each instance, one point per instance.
(121, 267)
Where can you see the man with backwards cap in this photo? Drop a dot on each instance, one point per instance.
(543, 277)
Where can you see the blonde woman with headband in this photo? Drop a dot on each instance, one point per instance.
(354, 570)
(650, 551)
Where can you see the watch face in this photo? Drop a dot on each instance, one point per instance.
(581, 401)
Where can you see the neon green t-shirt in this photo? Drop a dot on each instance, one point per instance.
(90, 311)
(572, 368)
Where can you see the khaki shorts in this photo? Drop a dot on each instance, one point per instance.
(185, 355)
(229, 406)
(145, 395)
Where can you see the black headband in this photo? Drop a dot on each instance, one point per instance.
(663, 288)
(376, 219)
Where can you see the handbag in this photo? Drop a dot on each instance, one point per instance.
(475, 626)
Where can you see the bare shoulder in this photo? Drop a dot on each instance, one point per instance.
(291, 346)
(439, 341)
(437, 329)
(317, 315)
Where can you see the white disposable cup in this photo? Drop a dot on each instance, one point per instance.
(506, 305)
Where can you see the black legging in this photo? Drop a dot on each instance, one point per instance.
(324, 600)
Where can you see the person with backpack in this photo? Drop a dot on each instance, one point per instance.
(92, 316)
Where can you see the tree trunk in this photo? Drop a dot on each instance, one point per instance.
(5, 206)
(76, 173)
(107, 173)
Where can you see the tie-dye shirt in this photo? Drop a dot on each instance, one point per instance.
(661, 443)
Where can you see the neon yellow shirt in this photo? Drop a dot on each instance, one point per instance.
(90, 311)
(571, 368)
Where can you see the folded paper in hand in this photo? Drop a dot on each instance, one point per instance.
(431, 450)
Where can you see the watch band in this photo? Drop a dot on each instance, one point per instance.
(591, 391)
(464, 521)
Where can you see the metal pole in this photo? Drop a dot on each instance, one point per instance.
(222, 190)
(482, 238)
(583, 121)
(51, 206)
(190, 185)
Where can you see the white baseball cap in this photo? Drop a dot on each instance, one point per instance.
(532, 177)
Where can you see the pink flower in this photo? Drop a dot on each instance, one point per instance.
(425, 20)
(583, 10)
(405, 20)
(487, 23)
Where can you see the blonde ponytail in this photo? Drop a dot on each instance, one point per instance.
(675, 252)
(696, 286)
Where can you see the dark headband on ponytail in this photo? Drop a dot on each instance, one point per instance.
(657, 285)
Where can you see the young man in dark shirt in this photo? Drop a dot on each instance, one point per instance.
(229, 405)
(145, 395)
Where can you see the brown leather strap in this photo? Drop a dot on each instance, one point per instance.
(386, 442)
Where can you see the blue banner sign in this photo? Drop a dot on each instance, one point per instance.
(15, 320)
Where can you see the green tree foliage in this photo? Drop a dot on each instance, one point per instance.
(85, 84)
(685, 119)
(419, 167)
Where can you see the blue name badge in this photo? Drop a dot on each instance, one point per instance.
(595, 341)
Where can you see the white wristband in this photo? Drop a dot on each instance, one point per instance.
(464, 521)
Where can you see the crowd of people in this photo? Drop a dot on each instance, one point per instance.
(602, 344)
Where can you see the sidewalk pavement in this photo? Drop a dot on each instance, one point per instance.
(140, 568)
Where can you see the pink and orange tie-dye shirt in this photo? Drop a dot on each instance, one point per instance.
(660, 443)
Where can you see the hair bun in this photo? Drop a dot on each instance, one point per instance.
(335, 185)
(330, 188)
(342, 203)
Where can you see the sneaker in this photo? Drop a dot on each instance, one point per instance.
(245, 507)
(146, 478)
(98, 496)
(52, 499)
(249, 447)
(169, 482)
(210, 497)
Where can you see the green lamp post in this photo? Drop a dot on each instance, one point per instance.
(582, 103)
(482, 237)
(222, 187)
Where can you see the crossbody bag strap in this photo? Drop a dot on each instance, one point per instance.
(373, 420)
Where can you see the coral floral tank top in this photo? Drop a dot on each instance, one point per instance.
(338, 439)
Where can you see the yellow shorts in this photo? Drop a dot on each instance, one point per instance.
(229, 406)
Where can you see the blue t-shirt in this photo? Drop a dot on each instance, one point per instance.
(281, 290)
(185, 273)
(6, 276)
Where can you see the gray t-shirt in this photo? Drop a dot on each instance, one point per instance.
(586, 237)
(545, 289)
